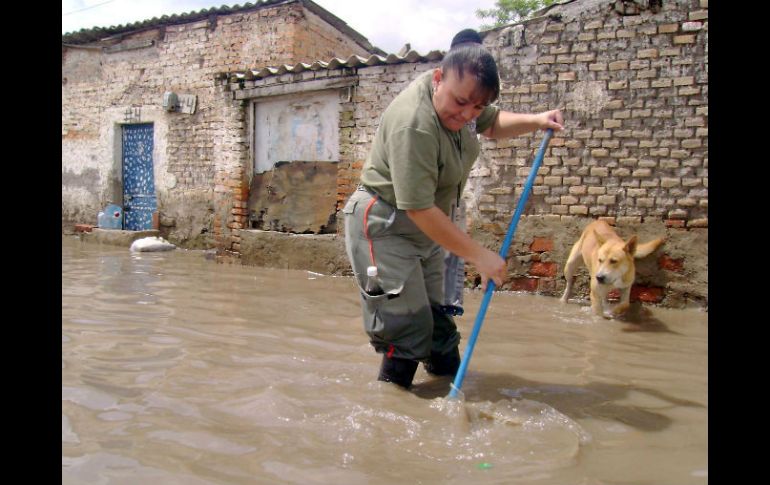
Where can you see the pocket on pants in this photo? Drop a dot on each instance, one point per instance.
(374, 324)
(386, 323)
(380, 217)
(378, 309)
(402, 318)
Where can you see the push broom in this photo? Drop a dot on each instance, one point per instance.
(458, 382)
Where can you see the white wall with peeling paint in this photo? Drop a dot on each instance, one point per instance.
(297, 128)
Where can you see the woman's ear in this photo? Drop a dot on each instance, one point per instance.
(437, 73)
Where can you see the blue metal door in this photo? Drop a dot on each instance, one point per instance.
(139, 201)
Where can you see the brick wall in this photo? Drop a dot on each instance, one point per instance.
(359, 119)
(634, 93)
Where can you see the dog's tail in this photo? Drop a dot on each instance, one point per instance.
(645, 249)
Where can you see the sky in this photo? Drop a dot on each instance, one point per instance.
(425, 24)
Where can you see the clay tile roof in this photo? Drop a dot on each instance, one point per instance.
(95, 34)
(335, 63)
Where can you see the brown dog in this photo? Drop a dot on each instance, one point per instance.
(610, 262)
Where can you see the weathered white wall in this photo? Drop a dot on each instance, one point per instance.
(92, 172)
(297, 128)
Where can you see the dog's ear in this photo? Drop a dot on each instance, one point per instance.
(599, 238)
(630, 246)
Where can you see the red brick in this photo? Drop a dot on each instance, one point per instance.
(647, 294)
(84, 228)
(540, 268)
(671, 264)
(522, 284)
(541, 244)
(675, 223)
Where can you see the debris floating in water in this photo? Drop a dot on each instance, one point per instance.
(484, 465)
(151, 244)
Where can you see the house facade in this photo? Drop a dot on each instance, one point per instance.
(147, 124)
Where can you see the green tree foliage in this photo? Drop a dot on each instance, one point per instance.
(510, 11)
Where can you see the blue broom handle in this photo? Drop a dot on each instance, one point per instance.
(458, 382)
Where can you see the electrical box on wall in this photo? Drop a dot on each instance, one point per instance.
(182, 103)
(170, 101)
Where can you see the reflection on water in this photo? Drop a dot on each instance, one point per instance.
(178, 370)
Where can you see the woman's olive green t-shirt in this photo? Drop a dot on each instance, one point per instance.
(415, 162)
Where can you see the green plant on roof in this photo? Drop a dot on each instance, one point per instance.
(510, 11)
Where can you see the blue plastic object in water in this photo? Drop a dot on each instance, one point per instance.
(458, 382)
(111, 217)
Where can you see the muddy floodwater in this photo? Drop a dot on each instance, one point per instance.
(180, 370)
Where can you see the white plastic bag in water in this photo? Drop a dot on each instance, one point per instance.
(151, 244)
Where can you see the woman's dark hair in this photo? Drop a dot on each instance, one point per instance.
(465, 35)
(470, 57)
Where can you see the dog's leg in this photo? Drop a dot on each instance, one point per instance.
(622, 306)
(597, 298)
(569, 270)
